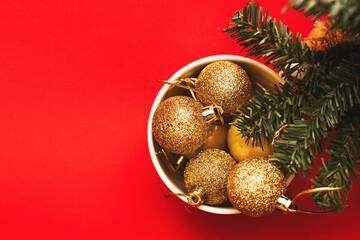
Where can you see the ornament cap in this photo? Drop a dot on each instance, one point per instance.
(212, 114)
(195, 196)
(284, 203)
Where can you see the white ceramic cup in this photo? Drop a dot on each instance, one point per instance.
(257, 72)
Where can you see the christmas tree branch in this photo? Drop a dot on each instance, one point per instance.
(343, 14)
(265, 37)
(341, 168)
(305, 138)
(321, 94)
(265, 113)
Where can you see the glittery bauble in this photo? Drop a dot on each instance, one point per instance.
(254, 186)
(178, 125)
(227, 83)
(242, 150)
(209, 170)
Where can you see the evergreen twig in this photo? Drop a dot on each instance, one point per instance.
(344, 14)
(321, 94)
(270, 39)
(341, 168)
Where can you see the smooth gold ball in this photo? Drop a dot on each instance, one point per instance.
(217, 137)
(254, 186)
(209, 170)
(242, 150)
(178, 125)
(227, 83)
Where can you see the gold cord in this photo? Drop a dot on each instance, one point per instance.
(179, 161)
(309, 191)
(277, 133)
(214, 105)
(192, 199)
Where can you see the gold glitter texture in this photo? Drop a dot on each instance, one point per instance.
(209, 170)
(227, 83)
(254, 185)
(178, 125)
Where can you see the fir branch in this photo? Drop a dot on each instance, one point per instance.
(267, 111)
(347, 72)
(344, 14)
(320, 95)
(304, 138)
(341, 168)
(265, 37)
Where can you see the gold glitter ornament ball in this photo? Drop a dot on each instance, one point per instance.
(254, 186)
(227, 83)
(178, 125)
(209, 171)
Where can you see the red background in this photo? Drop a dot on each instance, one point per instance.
(77, 81)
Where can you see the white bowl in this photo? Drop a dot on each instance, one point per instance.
(257, 72)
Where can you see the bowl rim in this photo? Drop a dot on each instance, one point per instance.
(202, 61)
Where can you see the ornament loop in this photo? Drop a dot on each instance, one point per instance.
(188, 88)
(277, 133)
(195, 197)
(212, 114)
(173, 164)
(190, 82)
(217, 109)
(187, 207)
(287, 205)
(313, 190)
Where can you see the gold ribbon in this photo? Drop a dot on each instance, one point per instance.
(192, 198)
(277, 133)
(309, 191)
(217, 108)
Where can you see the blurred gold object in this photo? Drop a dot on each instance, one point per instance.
(217, 137)
(241, 150)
